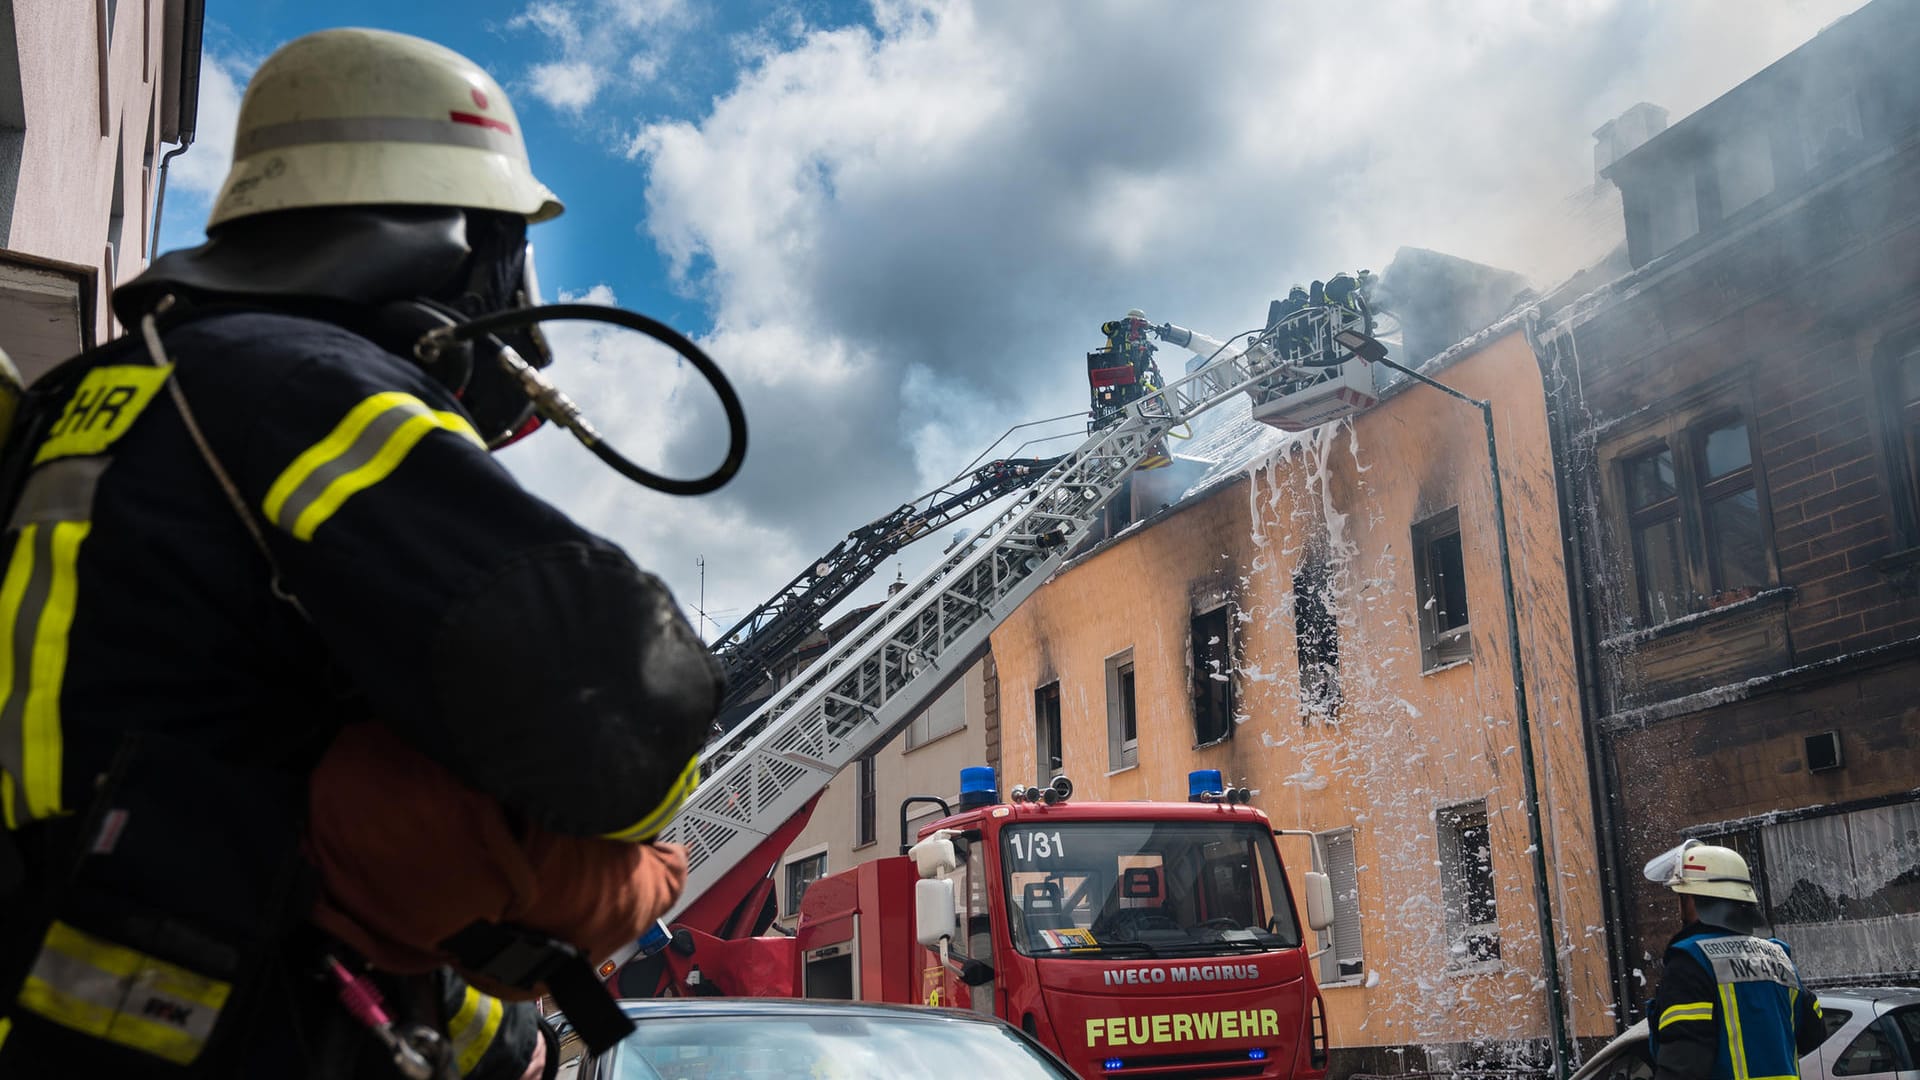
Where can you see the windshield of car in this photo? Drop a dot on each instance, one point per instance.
(1106, 889)
(823, 1046)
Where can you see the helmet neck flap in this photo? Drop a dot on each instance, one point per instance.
(388, 273)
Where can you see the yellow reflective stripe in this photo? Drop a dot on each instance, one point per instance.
(12, 739)
(649, 827)
(473, 1028)
(115, 993)
(43, 747)
(6, 1025)
(1736, 1042)
(36, 612)
(1692, 1010)
(362, 450)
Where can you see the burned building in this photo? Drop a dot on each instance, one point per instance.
(1738, 425)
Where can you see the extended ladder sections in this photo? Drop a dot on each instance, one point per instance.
(871, 682)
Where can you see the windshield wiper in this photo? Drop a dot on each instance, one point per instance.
(1204, 948)
(1111, 948)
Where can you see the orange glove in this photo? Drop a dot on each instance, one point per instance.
(408, 856)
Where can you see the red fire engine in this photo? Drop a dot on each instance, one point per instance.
(1132, 939)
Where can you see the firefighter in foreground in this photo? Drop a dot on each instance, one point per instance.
(321, 737)
(1730, 1004)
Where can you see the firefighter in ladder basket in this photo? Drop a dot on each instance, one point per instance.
(1122, 372)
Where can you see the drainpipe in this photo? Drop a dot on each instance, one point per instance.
(193, 19)
(1606, 810)
(1523, 724)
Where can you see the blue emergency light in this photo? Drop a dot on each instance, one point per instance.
(978, 787)
(1256, 1055)
(1202, 783)
(1113, 1064)
(656, 938)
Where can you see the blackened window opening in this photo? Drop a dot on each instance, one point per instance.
(1212, 675)
(1441, 589)
(1466, 867)
(1316, 639)
(866, 831)
(1046, 742)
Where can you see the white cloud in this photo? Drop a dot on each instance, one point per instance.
(599, 43)
(202, 169)
(909, 233)
(565, 85)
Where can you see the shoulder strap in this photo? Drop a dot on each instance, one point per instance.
(157, 353)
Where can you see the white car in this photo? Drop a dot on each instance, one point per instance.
(1873, 1033)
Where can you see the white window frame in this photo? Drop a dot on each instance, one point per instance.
(789, 903)
(1454, 889)
(1340, 945)
(1122, 753)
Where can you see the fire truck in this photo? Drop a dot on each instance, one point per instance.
(1133, 939)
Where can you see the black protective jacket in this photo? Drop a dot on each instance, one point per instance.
(423, 588)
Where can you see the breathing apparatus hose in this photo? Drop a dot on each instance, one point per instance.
(551, 403)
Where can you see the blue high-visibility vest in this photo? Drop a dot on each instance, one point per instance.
(1757, 992)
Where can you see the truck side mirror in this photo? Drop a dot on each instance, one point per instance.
(933, 910)
(1319, 900)
(976, 972)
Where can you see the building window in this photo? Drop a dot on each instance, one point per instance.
(1466, 885)
(1343, 960)
(1212, 675)
(866, 828)
(1843, 888)
(1736, 541)
(1440, 583)
(1123, 722)
(1674, 215)
(801, 873)
(946, 715)
(1901, 384)
(1046, 733)
(1653, 520)
(1743, 165)
(1695, 491)
(1316, 640)
(1830, 126)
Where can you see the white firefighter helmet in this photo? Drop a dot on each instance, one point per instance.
(1700, 869)
(368, 117)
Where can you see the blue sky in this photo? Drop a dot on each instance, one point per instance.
(898, 224)
(578, 151)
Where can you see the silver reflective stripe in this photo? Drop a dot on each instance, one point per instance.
(471, 1039)
(402, 129)
(36, 546)
(371, 440)
(60, 490)
(115, 993)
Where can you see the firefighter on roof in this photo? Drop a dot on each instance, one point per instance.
(1730, 1005)
(305, 704)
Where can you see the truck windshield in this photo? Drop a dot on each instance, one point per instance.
(1093, 889)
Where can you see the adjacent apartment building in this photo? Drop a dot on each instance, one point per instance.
(1322, 619)
(89, 92)
(1739, 417)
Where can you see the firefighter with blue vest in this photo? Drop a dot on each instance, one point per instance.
(324, 745)
(1730, 1005)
